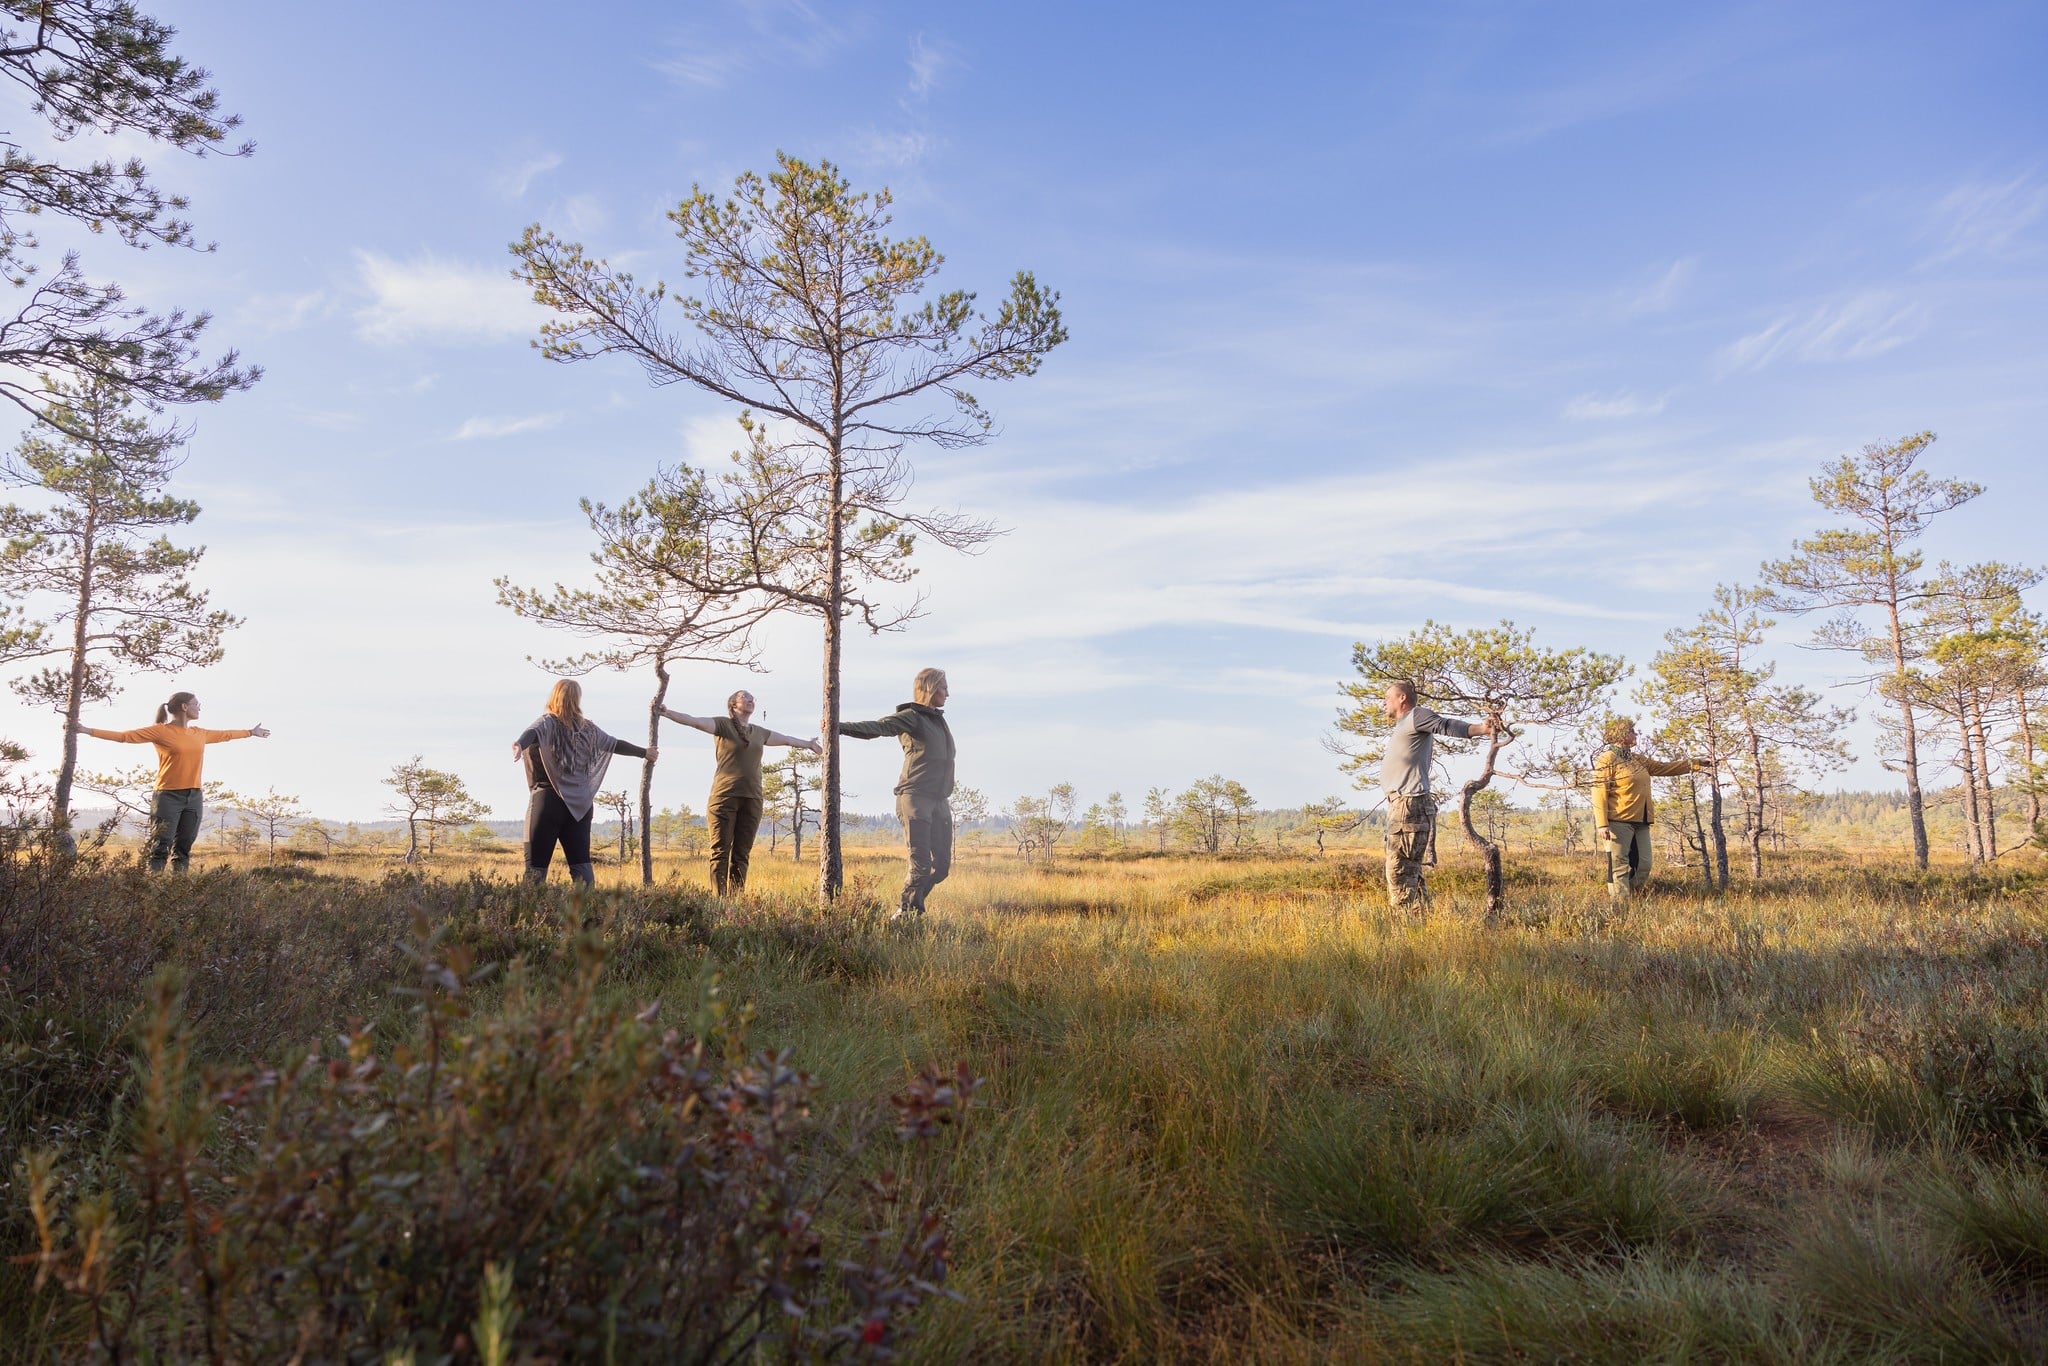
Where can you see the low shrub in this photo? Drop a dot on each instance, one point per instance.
(1968, 1063)
(549, 1180)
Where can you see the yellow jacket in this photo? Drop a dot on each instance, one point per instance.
(1621, 784)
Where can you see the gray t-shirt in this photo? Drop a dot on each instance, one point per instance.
(1411, 748)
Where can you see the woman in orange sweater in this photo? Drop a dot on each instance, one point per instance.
(180, 748)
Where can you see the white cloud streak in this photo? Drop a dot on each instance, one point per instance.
(1611, 407)
(1865, 324)
(487, 428)
(1989, 218)
(516, 181)
(929, 63)
(430, 300)
(747, 36)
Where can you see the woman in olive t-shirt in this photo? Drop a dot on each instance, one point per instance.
(733, 811)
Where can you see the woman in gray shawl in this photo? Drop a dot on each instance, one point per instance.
(566, 756)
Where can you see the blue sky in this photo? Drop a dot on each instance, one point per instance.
(1377, 313)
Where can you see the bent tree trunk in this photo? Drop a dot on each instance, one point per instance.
(1496, 889)
(647, 772)
(1720, 831)
(1699, 839)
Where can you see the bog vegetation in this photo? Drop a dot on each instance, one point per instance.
(1108, 1105)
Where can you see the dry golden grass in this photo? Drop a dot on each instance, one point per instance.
(1237, 1109)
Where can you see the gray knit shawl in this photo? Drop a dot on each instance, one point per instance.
(575, 760)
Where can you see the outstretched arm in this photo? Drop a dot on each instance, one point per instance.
(707, 724)
(139, 736)
(875, 730)
(776, 737)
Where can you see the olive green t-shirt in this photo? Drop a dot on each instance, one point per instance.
(739, 759)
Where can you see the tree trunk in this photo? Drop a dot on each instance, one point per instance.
(1496, 887)
(74, 692)
(1755, 832)
(1974, 828)
(1916, 805)
(2027, 741)
(1988, 804)
(831, 865)
(647, 770)
(1692, 788)
(1720, 830)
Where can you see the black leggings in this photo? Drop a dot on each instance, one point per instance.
(547, 821)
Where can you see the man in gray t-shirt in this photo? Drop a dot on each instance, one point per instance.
(1404, 777)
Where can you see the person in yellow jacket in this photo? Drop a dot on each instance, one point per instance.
(180, 748)
(1622, 811)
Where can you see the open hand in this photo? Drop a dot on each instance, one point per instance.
(260, 731)
(518, 752)
(813, 746)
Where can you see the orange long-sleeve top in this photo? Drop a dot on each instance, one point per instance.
(179, 749)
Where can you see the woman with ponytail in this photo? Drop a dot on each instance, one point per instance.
(180, 751)
(566, 756)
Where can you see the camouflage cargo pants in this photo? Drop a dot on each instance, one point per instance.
(1409, 822)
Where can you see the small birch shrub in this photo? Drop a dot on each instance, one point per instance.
(551, 1180)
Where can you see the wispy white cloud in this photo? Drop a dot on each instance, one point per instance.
(1865, 324)
(1610, 407)
(929, 63)
(516, 180)
(1661, 294)
(485, 428)
(281, 312)
(582, 214)
(1989, 218)
(747, 35)
(896, 150)
(427, 299)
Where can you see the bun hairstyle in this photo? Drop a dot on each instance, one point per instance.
(178, 699)
(565, 703)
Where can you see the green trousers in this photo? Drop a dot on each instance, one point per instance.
(1628, 858)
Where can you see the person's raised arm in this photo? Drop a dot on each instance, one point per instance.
(776, 737)
(122, 737)
(707, 724)
(214, 737)
(875, 730)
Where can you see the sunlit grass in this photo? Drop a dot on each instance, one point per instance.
(1236, 1108)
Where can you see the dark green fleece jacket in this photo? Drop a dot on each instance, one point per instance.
(927, 747)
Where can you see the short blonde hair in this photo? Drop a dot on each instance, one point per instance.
(926, 683)
(1617, 730)
(565, 703)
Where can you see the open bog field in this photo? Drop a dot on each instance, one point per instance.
(1231, 1109)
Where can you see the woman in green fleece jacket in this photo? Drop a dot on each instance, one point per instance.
(924, 789)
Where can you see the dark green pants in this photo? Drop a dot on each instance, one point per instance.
(734, 822)
(173, 826)
(928, 830)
